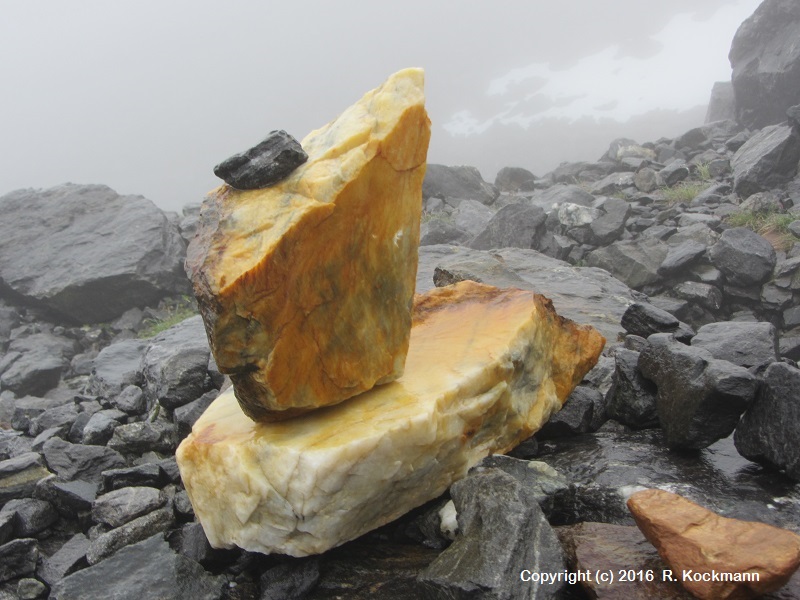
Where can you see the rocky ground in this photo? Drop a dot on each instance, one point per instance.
(684, 253)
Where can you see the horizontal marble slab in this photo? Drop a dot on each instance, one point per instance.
(486, 368)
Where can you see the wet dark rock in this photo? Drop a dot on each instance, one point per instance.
(264, 164)
(59, 417)
(707, 296)
(34, 364)
(131, 400)
(76, 461)
(31, 516)
(290, 580)
(129, 252)
(13, 443)
(633, 402)
(645, 180)
(6, 526)
(137, 438)
(582, 294)
(674, 172)
(19, 476)
(541, 479)
(472, 216)
(149, 569)
(610, 225)
(18, 558)
(123, 505)
(574, 417)
(149, 475)
(442, 231)
(766, 63)
(514, 179)
(644, 319)
(70, 557)
(744, 344)
(769, 431)
(743, 256)
(136, 530)
(28, 408)
(100, 427)
(175, 364)
(118, 366)
(604, 469)
(602, 547)
(191, 541)
(185, 416)
(457, 182)
(70, 498)
(514, 225)
(634, 262)
(700, 398)
(766, 160)
(497, 518)
(680, 257)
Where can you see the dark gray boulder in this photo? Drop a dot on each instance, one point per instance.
(700, 398)
(743, 344)
(633, 262)
(644, 319)
(674, 172)
(574, 417)
(142, 436)
(30, 516)
(513, 226)
(125, 504)
(117, 366)
(610, 225)
(514, 179)
(148, 569)
(681, 256)
(585, 295)
(457, 182)
(743, 256)
(18, 558)
(34, 363)
(472, 216)
(633, 402)
(613, 183)
(439, 230)
(141, 528)
(19, 476)
(769, 431)
(290, 580)
(105, 253)
(70, 557)
(264, 164)
(502, 531)
(765, 58)
(766, 160)
(175, 364)
(76, 461)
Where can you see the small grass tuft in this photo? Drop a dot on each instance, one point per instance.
(702, 171)
(685, 191)
(174, 314)
(771, 225)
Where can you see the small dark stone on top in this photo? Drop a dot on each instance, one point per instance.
(262, 165)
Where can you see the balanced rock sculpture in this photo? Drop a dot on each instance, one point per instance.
(306, 287)
(485, 369)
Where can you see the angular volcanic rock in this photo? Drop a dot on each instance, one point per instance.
(748, 558)
(485, 369)
(264, 164)
(306, 287)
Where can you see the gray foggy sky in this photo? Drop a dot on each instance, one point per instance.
(147, 96)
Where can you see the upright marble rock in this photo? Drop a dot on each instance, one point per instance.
(486, 368)
(306, 287)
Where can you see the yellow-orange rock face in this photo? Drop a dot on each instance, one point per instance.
(306, 287)
(485, 369)
(749, 559)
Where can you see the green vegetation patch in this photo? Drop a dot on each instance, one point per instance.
(685, 191)
(173, 313)
(772, 225)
